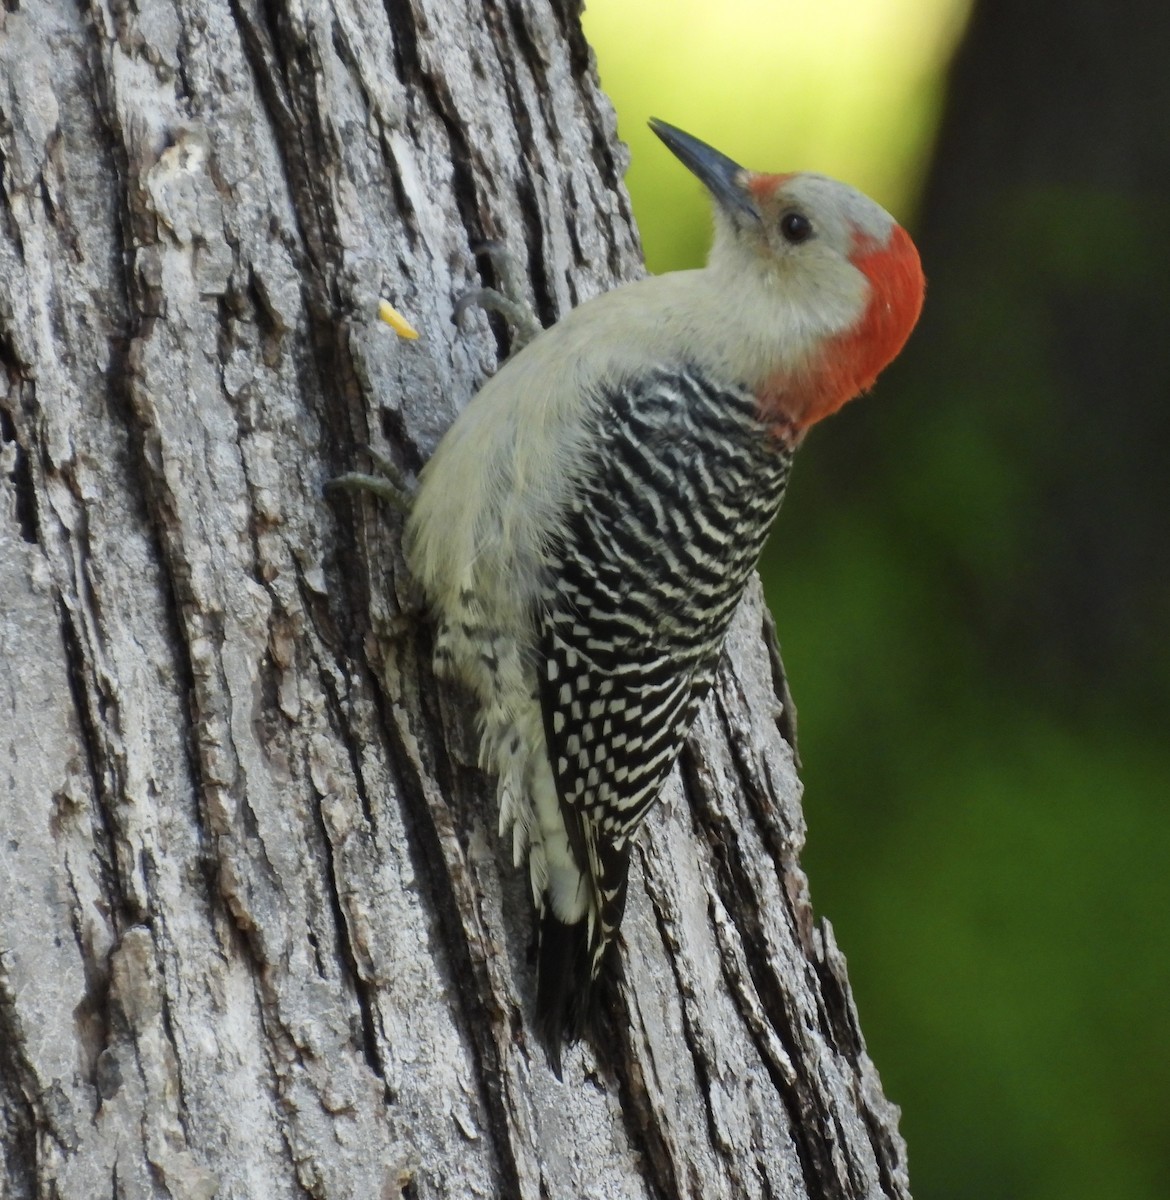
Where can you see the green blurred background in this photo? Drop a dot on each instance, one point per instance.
(971, 576)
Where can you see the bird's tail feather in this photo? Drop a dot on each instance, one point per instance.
(573, 959)
(566, 988)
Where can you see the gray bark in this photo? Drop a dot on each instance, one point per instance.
(258, 936)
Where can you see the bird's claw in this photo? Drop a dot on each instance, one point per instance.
(389, 484)
(509, 300)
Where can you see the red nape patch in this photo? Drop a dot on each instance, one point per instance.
(852, 361)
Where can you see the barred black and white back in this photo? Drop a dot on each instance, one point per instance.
(657, 553)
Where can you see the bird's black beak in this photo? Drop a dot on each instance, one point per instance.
(723, 178)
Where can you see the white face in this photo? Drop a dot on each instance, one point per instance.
(793, 249)
(803, 209)
(804, 220)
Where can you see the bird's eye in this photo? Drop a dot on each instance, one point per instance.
(796, 227)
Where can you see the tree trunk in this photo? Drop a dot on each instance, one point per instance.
(258, 936)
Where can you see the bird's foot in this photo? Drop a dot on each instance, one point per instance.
(509, 300)
(389, 483)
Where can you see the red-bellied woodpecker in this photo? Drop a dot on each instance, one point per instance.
(586, 529)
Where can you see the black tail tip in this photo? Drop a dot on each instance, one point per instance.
(566, 989)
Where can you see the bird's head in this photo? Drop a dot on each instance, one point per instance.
(820, 269)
